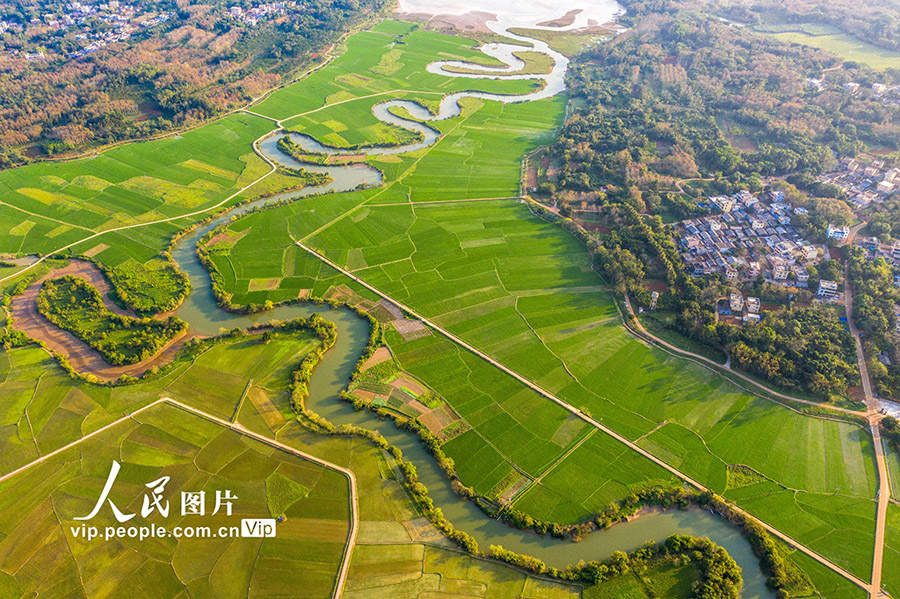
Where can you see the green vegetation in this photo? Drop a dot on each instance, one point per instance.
(173, 67)
(127, 185)
(388, 59)
(420, 570)
(39, 505)
(282, 493)
(806, 348)
(46, 408)
(891, 575)
(493, 273)
(149, 288)
(73, 305)
(718, 575)
(657, 105)
(874, 297)
(287, 146)
(522, 290)
(845, 46)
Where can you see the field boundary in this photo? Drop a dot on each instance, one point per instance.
(593, 422)
(242, 430)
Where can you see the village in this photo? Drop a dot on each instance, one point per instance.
(97, 25)
(747, 238)
(861, 184)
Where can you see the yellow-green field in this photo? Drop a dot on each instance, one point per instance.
(845, 46)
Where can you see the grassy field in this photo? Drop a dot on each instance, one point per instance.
(663, 580)
(523, 291)
(47, 206)
(44, 408)
(492, 273)
(73, 305)
(39, 554)
(389, 58)
(891, 568)
(845, 46)
(398, 552)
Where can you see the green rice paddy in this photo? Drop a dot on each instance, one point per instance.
(40, 555)
(511, 284)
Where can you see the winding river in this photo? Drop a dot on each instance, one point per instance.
(332, 374)
(204, 317)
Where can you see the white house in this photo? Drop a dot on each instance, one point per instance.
(801, 274)
(753, 305)
(839, 233)
(827, 289)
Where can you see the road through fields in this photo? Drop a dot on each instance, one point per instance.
(590, 420)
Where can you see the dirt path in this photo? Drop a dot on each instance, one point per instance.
(27, 319)
(590, 420)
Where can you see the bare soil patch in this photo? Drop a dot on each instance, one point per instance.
(96, 250)
(382, 354)
(475, 21)
(411, 330)
(408, 382)
(564, 21)
(27, 318)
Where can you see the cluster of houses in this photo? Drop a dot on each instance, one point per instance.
(875, 249)
(746, 309)
(252, 16)
(878, 92)
(864, 184)
(748, 237)
(117, 21)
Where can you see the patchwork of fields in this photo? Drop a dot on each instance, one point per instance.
(522, 290)
(390, 57)
(44, 409)
(40, 555)
(516, 287)
(50, 205)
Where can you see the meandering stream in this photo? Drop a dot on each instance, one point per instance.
(333, 373)
(204, 317)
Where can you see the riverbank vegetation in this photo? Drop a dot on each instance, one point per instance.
(516, 274)
(534, 283)
(154, 287)
(289, 147)
(74, 306)
(260, 407)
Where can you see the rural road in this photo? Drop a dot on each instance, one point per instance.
(590, 420)
(697, 357)
(354, 496)
(354, 524)
(884, 488)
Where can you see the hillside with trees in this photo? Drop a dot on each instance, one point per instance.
(183, 62)
(684, 95)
